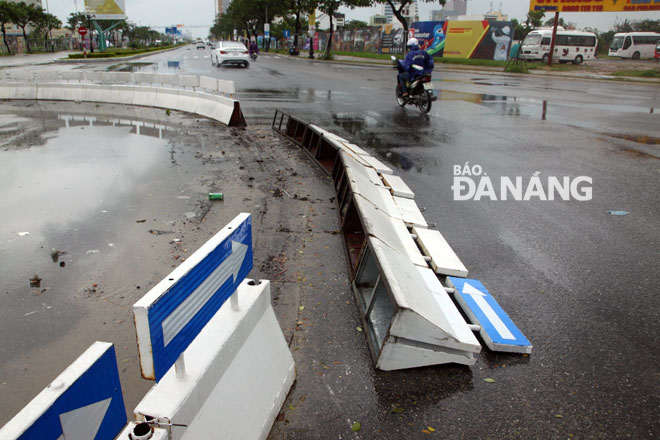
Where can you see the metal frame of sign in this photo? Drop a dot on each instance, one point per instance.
(169, 316)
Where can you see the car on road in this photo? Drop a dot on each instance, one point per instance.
(201, 45)
(230, 53)
(657, 52)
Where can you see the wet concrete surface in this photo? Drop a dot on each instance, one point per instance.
(580, 283)
(124, 210)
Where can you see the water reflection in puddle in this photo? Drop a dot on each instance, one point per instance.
(136, 127)
(169, 66)
(79, 168)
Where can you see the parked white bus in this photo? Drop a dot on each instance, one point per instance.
(634, 45)
(574, 46)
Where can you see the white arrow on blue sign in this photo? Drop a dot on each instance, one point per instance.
(84, 402)
(172, 314)
(497, 330)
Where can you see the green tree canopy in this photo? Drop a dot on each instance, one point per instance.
(355, 24)
(22, 15)
(6, 16)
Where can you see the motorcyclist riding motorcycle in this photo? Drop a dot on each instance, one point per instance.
(415, 56)
(253, 50)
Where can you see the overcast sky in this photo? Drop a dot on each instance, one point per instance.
(201, 12)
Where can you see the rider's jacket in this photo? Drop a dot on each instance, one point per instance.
(422, 59)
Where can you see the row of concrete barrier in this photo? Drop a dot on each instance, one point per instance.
(401, 270)
(127, 88)
(208, 84)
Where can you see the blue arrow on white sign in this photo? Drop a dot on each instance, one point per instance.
(496, 328)
(84, 402)
(170, 316)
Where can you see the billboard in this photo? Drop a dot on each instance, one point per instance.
(106, 9)
(431, 36)
(173, 30)
(594, 5)
(478, 39)
(391, 40)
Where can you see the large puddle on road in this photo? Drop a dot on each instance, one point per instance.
(68, 187)
(534, 108)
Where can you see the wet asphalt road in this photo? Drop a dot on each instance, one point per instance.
(581, 284)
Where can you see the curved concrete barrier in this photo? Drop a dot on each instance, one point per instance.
(126, 88)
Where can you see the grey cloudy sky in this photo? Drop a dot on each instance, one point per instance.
(201, 12)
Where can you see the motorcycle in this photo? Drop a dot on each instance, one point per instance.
(253, 56)
(420, 91)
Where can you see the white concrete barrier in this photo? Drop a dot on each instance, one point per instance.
(167, 79)
(225, 86)
(389, 230)
(144, 96)
(188, 81)
(145, 78)
(122, 94)
(42, 76)
(228, 110)
(397, 186)
(208, 83)
(52, 92)
(238, 373)
(74, 92)
(96, 77)
(206, 105)
(443, 258)
(73, 75)
(220, 108)
(186, 101)
(166, 98)
(23, 91)
(120, 77)
(99, 93)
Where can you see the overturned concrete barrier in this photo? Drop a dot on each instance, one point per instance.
(399, 267)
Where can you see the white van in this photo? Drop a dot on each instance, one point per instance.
(573, 46)
(634, 45)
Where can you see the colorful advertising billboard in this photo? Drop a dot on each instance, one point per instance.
(391, 40)
(594, 5)
(478, 39)
(106, 9)
(431, 36)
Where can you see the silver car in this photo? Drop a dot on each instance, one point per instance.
(230, 52)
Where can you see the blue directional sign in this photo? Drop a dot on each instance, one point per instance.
(172, 314)
(497, 330)
(286, 33)
(84, 402)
